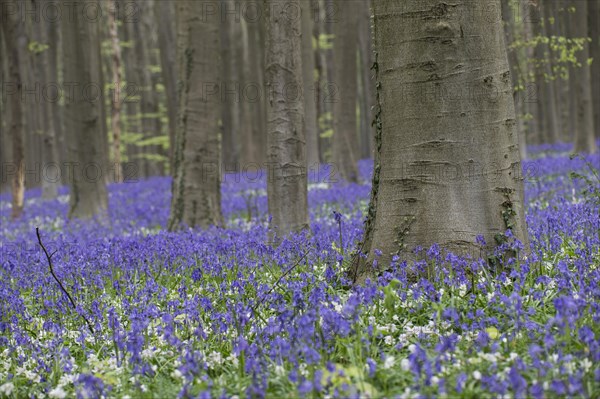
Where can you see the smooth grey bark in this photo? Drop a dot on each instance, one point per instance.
(547, 117)
(308, 77)
(254, 95)
(115, 100)
(594, 33)
(584, 121)
(286, 145)
(150, 120)
(448, 165)
(165, 17)
(345, 138)
(231, 96)
(132, 99)
(513, 64)
(366, 93)
(54, 58)
(196, 188)
(83, 114)
(549, 96)
(50, 181)
(15, 40)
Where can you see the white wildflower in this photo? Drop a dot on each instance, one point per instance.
(389, 362)
(7, 388)
(57, 393)
(405, 364)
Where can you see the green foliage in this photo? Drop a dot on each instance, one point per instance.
(37, 47)
(326, 41)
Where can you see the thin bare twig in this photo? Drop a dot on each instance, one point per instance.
(49, 257)
(288, 271)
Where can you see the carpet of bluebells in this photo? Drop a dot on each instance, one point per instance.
(219, 313)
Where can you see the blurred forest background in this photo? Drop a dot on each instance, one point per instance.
(553, 47)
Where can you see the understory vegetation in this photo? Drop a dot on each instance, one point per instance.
(219, 313)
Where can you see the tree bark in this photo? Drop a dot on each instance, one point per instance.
(513, 64)
(83, 113)
(448, 165)
(196, 189)
(286, 145)
(15, 40)
(594, 33)
(345, 145)
(50, 166)
(116, 95)
(231, 91)
(308, 77)
(584, 126)
(165, 17)
(366, 92)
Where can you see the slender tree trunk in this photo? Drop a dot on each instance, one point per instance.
(513, 63)
(54, 57)
(132, 99)
(50, 174)
(116, 95)
(286, 145)
(549, 98)
(448, 166)
(15, 40)
(253, 91)
(249, 148)
(594, 33)
(163, 11)
(584, 127)
(231, 90)
(151, 126)
(534, 131)
(196, 189)
(308, 73)
(345, 146)
(4, 140)
(83, 114)
(366, 92)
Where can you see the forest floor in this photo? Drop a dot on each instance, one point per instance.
(219, 313)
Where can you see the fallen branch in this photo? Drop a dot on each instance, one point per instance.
(49, 258)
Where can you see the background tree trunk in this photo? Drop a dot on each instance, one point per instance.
(366, 93)
(514, 66)
(345, 139)
(164, 15)
(584, 126)
(230, 90)
(115, 98)
(449, 174)
(308, 77)
(83, 118)
(196, 186)
(16, 41)
(594, 33)
(50, 170)
(286, 145)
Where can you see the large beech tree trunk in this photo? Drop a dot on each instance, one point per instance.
(447, 166)
(196, 186)
(286, 146)
(83, 118)
(16, 41)
(345, 138)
